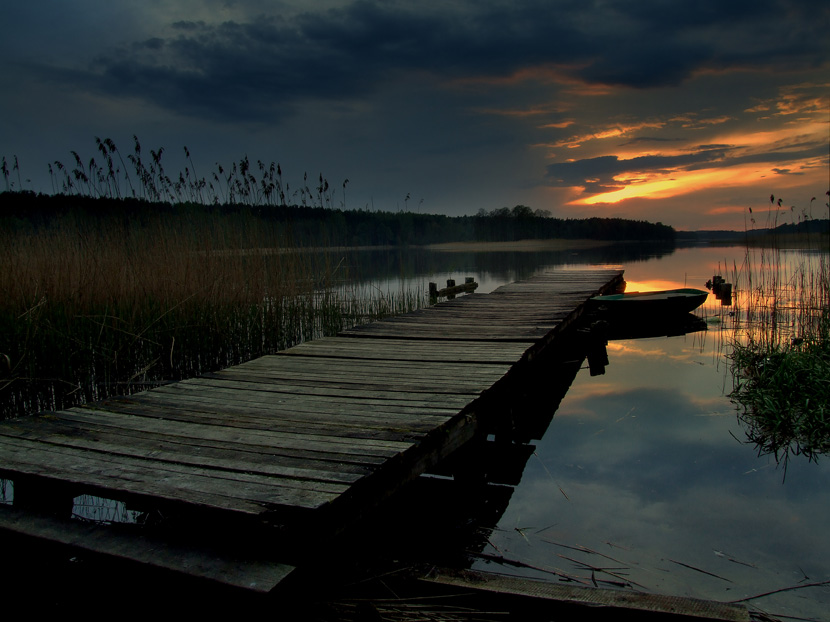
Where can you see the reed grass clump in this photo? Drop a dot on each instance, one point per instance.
(785, 395)
(96, 307)
(780, 350)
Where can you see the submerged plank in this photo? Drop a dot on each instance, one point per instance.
(257, 573)
(627, 602)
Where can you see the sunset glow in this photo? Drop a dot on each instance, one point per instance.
(678, 183)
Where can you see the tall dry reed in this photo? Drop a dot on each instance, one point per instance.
(91, 307)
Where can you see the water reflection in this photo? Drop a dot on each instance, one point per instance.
(103, 511)
(392, 269)
(649, 466)
(641, 477)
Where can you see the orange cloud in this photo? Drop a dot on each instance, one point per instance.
(675, 183)
(614, 131)
(805, 99)
(781, 138)
(559, 126)
(693, 121)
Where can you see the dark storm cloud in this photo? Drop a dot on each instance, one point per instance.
(263, 66)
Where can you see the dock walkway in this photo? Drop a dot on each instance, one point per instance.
(306, 439)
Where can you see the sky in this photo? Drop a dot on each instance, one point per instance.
(686, 113)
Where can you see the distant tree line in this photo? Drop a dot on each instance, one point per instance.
(522, 222)
(318, 225)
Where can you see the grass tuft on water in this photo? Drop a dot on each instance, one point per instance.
(785, 395)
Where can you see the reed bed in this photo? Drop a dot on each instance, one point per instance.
(780, 349)
(96, 307)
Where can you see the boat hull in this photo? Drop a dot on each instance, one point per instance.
(649, 304)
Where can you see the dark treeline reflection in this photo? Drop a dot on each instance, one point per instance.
(409, 263)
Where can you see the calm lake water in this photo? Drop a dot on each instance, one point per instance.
(645, 476)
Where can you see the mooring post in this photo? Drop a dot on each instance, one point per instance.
(597, 354)
(451, 290)
(726, 294)
(717, 282)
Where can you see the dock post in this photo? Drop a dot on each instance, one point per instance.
(726, 294)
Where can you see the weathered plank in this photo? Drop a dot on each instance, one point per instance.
(131, 478)
(265, 394)
(409, 350)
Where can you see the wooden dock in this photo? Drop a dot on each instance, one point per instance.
(287, 446)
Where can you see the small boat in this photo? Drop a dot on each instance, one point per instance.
(651, 304)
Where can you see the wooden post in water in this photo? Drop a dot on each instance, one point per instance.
(597, 354)
(717, 282)
(726, 294)
(451, 289)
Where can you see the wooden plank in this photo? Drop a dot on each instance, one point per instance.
(164, 449)
(252, 486)
(264, 392)
(368, 425)
(389, 373)
(333, 383)
(262, 438)
(285, 408)
(408, 350)
(129, 478)
(291, 453)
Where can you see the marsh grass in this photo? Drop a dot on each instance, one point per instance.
(780, 349)
(92, 307)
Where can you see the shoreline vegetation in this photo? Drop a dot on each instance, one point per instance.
(780, 349)
(125, 276)
(104, 297)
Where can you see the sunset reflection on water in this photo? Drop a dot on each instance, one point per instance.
(648, 464)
